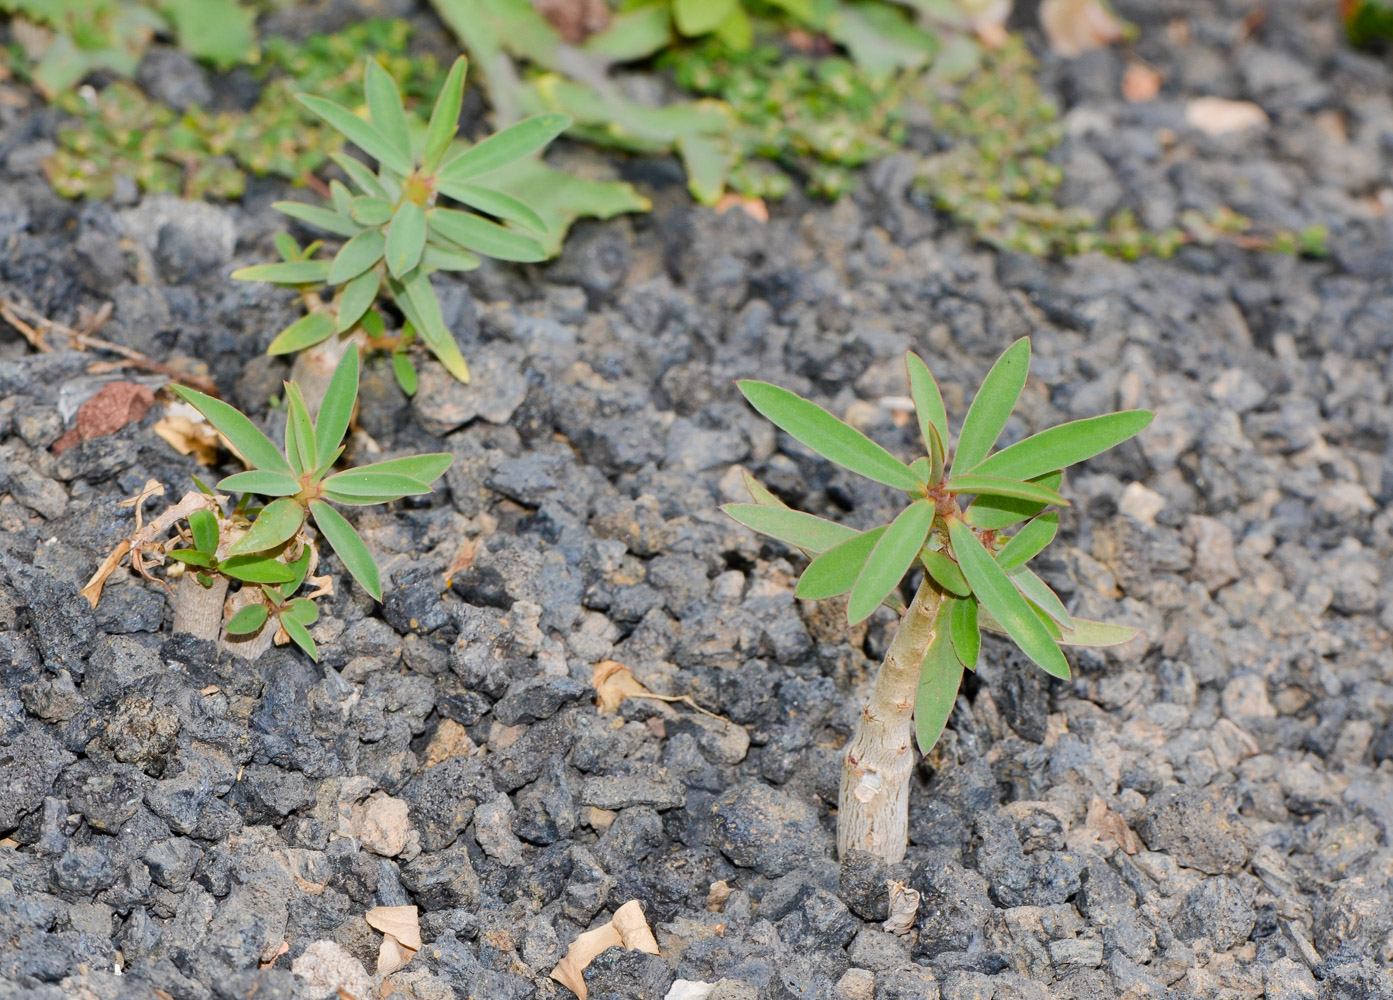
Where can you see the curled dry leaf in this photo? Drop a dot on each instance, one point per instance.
(613, 682)
(1217, 116)
(627, 929)
(904, 906)
(716, 898)
(1075, 26)
(188, 433)
(401, 935)
(1103, 826)
(114, 406)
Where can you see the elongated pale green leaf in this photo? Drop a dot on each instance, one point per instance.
(363, 177)
(945, 572)
(255, 447)
(256, 568)
(248, 620)
(404, 371)
(355, 484)
(357, 131)
(1038, 591)
(385, 108)
(476, 233)
(444, 117)
(299, 567)
(502, 148)
(358, 296)
(1029, 541)
(308, 330)
(277, 522)
(938, 454)
(760, 493)
(417, 300)
(266, 484)
(992, 486)
(336, 410)
(286, 246)
(967, 635)
(1091, 633)
(890, 560)
(300, 636)
(928, 401)
(425, 469)
(191, 557)
(1064, 445)
(835, 571)
(994, 513)
(793, 527)
(357, 255)
(299, 431)
(203, 525)
(495, 203)
(701, 17)
(999, 595)
(368, 211)
(811, 425)
(406, 239)
(325, 219)
(341, 198)
(439, 258)
(940, 676)
(992, 406)
(348, 546)
(298, 272)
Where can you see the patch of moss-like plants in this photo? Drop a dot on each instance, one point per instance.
(972, 521)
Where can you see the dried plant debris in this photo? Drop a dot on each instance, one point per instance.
(627, 929)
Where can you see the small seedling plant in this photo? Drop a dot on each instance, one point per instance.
(267, 547)
(396, 231)
(972, 525)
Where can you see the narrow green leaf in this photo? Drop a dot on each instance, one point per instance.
(348, 546)
(357, 255)
(355, 485)
(1038, 591)
(417, 300)
(358, 296)
(502, 148)
(967, 635)
(495, 203)
(368, 211)
(336, 410)
(286, 246)
(938, 454)
(191, 557)
(993, 513)
(203, 525)
(404, 371)
(476, 233)
(425, 469)
(299, 431)
(299, 567)
(385, 108)
(992, 486)
(1027, 543)
(940, 676)
(256, 568)
(359, 173)
(254, 446)
(248, 620)
(1091, 633)
(945, 572)
(793, 527)
(323, 218)
(299, 272)
(759, 493)
(1064, 445)
(277, 522)
(992, 406)
(928, 402)
(811, 425)
(835, 571)
(357, 131)
(406, 238)
(303, 610)
(300, 636)
(890, 560)
(341, 198)
(999, 595)
(439, 258)
(444, 117)
(266, 484)
(310, 329)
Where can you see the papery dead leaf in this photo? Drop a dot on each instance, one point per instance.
(1217, 116)
(1072, 27)
(401, 935)
(613, 682)
(904, 906)
(185, 430)
(717, 895)
(1108, 828)
(627, 929)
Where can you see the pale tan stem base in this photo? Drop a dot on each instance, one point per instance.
(873, 807)
(198, 609)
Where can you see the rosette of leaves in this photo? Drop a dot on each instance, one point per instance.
(396, 231)
(301, 486)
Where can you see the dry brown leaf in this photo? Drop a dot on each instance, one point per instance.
(717, 895)
(755, 208)
(1075, 26)
(613, 682)
(1105, 827)
(1140, 83)
(188, 433)
(114, 406)
(627, 929)
(904, 906)
(401, 935)
(1218, 116)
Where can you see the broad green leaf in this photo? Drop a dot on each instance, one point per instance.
(422, 309)
(890, 560)
(359, 173)
(385, 108)
(928, 403)
(835, 571)
(999, 595)
(439, 258)
(310, 329)
(299, 272)
(707, 161)
(993, 513)
(502, 148)
(336, 410)
(1027, 543)
(425, 469)
(357, 131)
(357, 255)
(967, 635)
(993, 486)
(406, 238)
(341, 198)
(945, 572)
(793, 527)
(277, 522)
(940, 675)
(444, 117)
(220, 32)
(203, 525)
(191, 557)
(992, 406)
(248, 620)
(495, 203)
(299, 431)
(701, 17)
(303, 610)
(255, 447)
(358, 296)
(633, 35)
(323, 218)
(1038, 591)
(811, 425)
(370, 211)
(476, 233)
(256, 568)
(348, 546)
(266, 484)
(356, 486)
(299, 636)
(1064, 445)
(404, 371)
